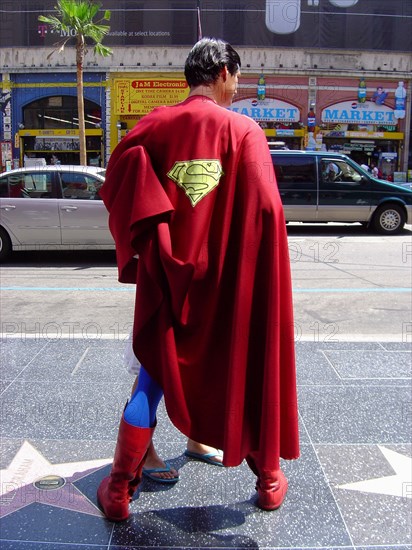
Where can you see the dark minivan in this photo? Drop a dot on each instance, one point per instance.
(316, 186)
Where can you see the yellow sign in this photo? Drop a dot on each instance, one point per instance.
(140, 96)
(375, 135)
(54, 133)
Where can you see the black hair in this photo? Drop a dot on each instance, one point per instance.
(206, 60)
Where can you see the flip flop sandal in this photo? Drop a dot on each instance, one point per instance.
(148, 472)
(206, 457)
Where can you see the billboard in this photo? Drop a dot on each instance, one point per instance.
(383, 25)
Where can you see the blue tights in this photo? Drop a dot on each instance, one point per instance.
(141, 409)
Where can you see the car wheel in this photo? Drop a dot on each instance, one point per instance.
(5, 244)
(389, 219)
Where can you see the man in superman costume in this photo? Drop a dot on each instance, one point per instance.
(191, 190)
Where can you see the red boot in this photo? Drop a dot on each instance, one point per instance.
(271, 485)
(116, 491)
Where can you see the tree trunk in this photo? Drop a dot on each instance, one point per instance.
(80, 52)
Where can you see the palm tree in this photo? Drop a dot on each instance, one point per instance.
(74, 19)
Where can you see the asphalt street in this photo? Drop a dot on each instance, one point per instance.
(348, 285)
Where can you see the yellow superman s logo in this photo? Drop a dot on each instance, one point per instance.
(196, 177)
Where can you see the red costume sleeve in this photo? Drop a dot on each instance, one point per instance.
(213, 315)
(133, 208)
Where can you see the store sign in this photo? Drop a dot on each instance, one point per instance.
(285, 133)
(360, 147)
(372, 135)
(69, 134)
(57, 143)
(368, 135)
(269, 110)
(352, 112)
(139, 97)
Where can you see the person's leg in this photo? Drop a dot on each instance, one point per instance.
(141, 409)
(134, 437)
(195, 450)
(153, 463)
(204, 453)
(154, 467)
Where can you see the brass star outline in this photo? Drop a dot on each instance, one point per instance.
(18, 489)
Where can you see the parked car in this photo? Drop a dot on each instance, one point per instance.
(316, 186)
(53, 208)
(59, 208)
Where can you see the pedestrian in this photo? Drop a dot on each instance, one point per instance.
(191, 190)
(374, 170)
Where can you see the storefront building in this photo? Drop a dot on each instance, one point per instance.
(368, 131)
(45, 121)
(302, 92)
(45, 114)
(365, 121)
(368, 128)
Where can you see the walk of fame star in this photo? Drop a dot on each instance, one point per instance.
(30, 477)
(398, 485)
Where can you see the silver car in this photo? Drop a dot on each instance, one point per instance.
(53, 208)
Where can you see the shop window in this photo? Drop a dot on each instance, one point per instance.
(59, 149)
(60, 112)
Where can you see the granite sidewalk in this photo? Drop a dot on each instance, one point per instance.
(61, 402)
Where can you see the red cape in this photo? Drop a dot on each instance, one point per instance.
(213, 316)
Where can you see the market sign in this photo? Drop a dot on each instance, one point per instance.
(352, 112)
(268, 110)
(140, 96)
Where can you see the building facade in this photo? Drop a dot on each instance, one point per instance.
(309, 87)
